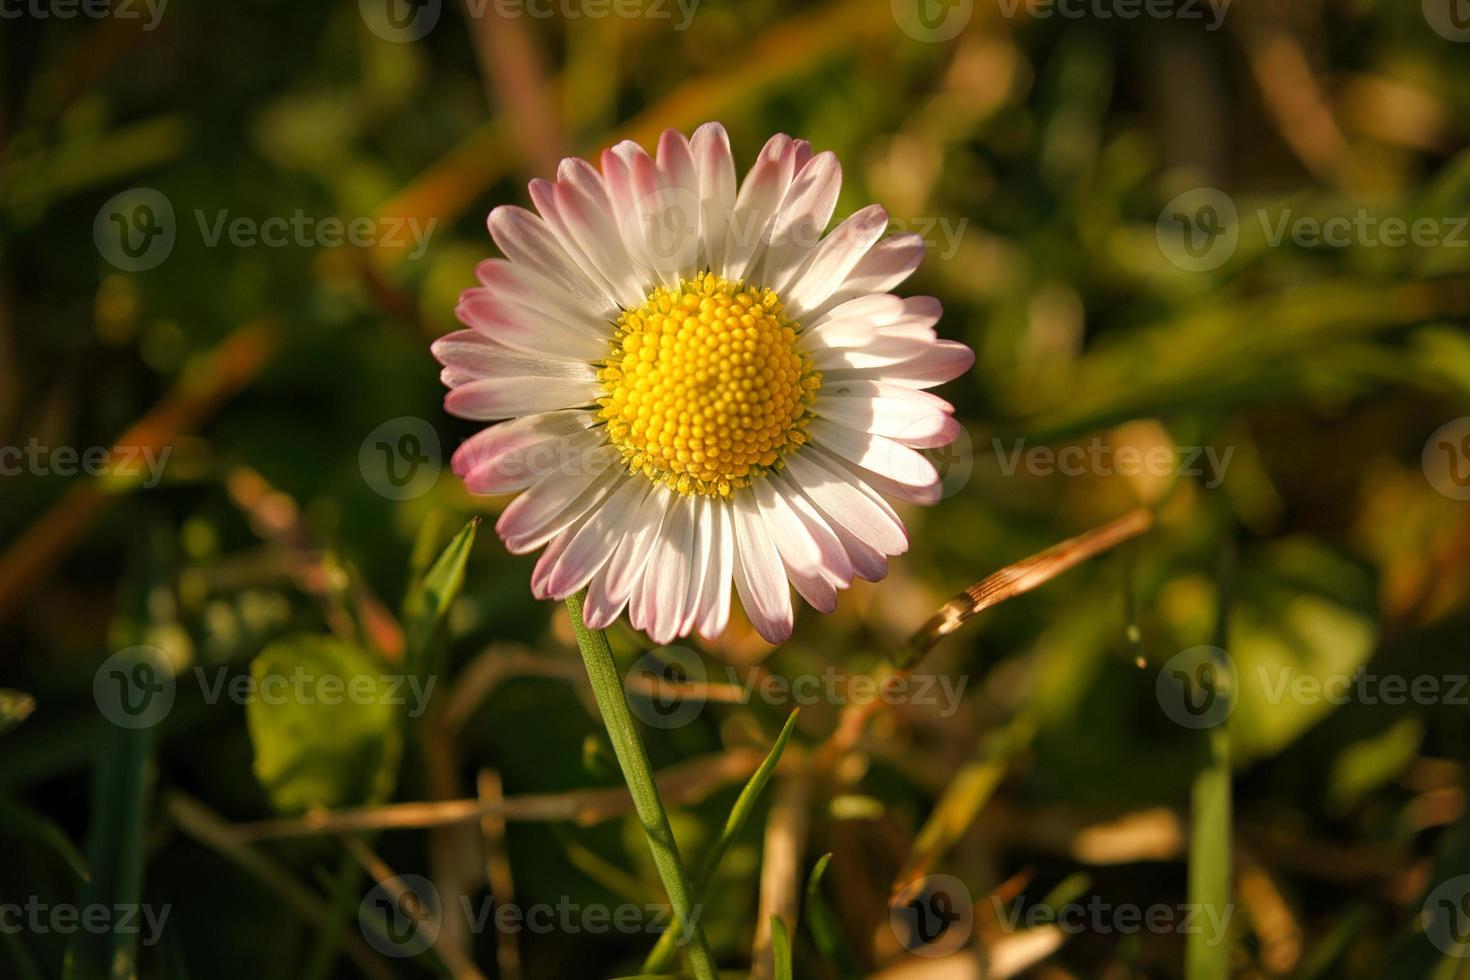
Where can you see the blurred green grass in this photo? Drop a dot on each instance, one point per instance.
(1038, 153)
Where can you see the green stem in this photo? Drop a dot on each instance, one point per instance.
(607, 687)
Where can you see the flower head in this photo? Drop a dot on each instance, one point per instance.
(701, 388)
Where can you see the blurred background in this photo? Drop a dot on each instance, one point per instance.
(1213, 261)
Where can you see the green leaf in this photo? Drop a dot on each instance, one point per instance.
(663, 951)
(122, 785)
(617, 718)
(324, 724)
(822, 923)
(15, 707)
(780, 948)
(431, 596)
(1207, 955)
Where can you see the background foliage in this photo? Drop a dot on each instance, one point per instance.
(1036, 153)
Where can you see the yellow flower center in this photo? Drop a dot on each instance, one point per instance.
(704, 388)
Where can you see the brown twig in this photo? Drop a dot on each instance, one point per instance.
(229, 367)
(685, 783)
(206, 827)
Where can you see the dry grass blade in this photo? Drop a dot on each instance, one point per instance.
(497, 870)
(199, 391)
(781, 878)
(515, 75)
(687, 782)
(203, 825)
(460, 966)
(1023, 576)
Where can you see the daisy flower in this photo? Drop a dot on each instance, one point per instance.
(701, 389)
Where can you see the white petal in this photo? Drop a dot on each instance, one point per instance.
(513, 455)
(799, 551)
(475, 355)
(519, 285)
(832, 261)
(665, 586)
(914, 418)
(703, 553)
(525, 239)
(613, 586)
(716, 172)
(504, 398)
(882, 267)
(937, 363)
(838, 496)
(595, 541)
(802, 218)
(682, 205)
(760, 577)
(552, 505)
(714, 599)
(531, 331)
(876, 454)
(755, 205)
(576, 208)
